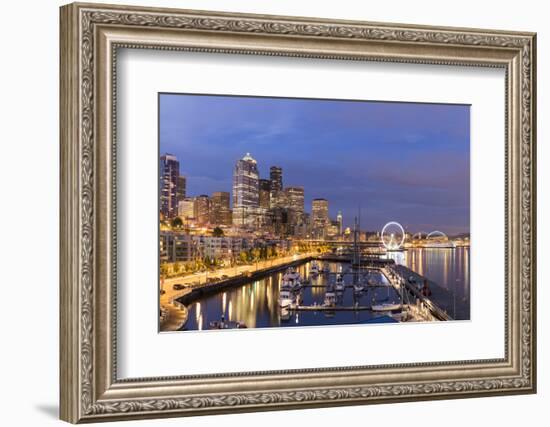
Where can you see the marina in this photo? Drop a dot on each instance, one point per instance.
(313, 291)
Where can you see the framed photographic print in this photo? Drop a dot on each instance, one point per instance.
(264, 212)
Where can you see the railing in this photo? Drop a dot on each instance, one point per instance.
(426, 302)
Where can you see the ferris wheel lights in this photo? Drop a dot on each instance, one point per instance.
(392, 245)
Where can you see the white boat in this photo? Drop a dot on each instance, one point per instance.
(386, 307)
(330, 299)
(286, 298)
(291, 274)
(314, 269)
(291, 285)
(339, 286)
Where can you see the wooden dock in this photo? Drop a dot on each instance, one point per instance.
(404, 274)
(365, 287)
(335, 308)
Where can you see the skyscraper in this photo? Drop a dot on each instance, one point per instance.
(246, 183)
(265, 190)
(295, 199)
(319, 217)
(340, 222)
(276, 178)
(180, 190)
(202, 209)
(169, 169)
(246, 190)
(220, 212)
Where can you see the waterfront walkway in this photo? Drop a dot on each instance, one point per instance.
(174, 314)
(425, 309)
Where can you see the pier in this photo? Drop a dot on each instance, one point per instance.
(335, 308)
(400, 277)
(410, 304)
(405, 282)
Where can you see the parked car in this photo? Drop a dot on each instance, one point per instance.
(178, 287)
(162, 291)
(225, 277)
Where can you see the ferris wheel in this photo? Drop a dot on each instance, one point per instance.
(392, 236)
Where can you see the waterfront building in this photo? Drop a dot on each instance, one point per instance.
(319, 217)
(222, 247)
(340, 222)
(202, 209)
(169, 167)
(186, 209)
(176, 247)
(181, 188)
(217, 247)
(246, 183)
(264, 193)
(220, 212)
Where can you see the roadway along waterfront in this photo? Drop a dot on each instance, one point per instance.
(174, 316)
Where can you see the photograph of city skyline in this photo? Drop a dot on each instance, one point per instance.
(286, 212)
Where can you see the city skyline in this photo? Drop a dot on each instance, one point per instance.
(417, 171)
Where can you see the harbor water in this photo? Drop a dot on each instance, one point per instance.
(256, 303)
(447, 269)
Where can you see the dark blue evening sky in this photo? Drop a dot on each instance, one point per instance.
(406, 162)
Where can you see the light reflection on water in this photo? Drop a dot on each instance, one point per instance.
(256, 304)
(449, 268)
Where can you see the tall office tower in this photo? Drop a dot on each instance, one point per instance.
(295, 199)
(202, 209)
(169, 169)
(340, 222)
(220, 212)
(246, 189)
(319, 217)
(246, 183)
(264, 195)
(294, 203)
(186, 209)
(276, 178)
(181, 190)
(276, 195)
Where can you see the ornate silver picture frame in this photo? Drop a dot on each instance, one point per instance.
(91, 35)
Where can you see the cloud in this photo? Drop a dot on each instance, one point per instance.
(394, 159)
